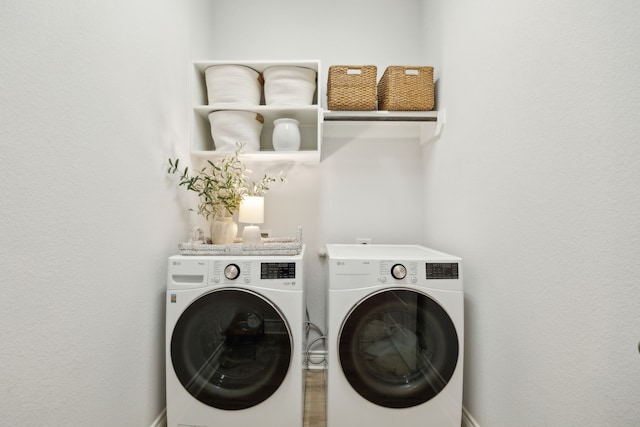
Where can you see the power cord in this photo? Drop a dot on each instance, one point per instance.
(308, 327)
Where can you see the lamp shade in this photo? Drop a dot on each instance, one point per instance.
(252, 210)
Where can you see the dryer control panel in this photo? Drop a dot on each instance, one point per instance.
(441, 270)
(398, 272)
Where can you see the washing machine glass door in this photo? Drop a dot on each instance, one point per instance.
(231, 349)
(398, 348)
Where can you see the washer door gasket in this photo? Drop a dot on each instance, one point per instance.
(398, 348)
(231, 349)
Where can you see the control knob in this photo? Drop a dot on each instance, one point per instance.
(399, 271)
(232, 271)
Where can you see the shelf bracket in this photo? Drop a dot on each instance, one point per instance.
(428, 133)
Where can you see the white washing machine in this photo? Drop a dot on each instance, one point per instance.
(395, 336)
(234, 341)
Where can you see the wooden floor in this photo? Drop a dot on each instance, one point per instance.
(314, 400)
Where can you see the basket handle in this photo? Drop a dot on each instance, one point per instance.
(354, 70)
(412, 71)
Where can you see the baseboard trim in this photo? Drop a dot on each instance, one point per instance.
(467, 419)
(161, 421)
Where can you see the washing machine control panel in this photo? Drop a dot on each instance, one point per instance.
(277, 270)
(273, 274)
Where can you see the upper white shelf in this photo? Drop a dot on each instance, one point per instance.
(421, 125)
(259, 65)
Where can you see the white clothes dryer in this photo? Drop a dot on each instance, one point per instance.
(395, 336)
(234, 341)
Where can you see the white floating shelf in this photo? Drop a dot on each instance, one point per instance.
(420, 125)
(302, 156)
(381, 116)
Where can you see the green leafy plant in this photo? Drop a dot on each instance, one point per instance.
(221, 184)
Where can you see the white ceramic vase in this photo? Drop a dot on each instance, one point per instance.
(223, 230)
(286, 135)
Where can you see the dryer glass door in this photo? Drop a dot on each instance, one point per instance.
(398, 348)
(231, 349)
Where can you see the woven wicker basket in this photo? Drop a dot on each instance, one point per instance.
(404, 88)
(352, 87)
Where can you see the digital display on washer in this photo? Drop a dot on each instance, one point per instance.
(442, 270)
(278, 270)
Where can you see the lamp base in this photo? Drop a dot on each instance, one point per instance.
(251, 235)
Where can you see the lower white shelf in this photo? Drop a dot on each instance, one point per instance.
(422, 126)
(303, 156)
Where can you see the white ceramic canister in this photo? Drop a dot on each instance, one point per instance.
(286, 135)
(233, 84)
(289, 85)
(230, 128)
(223, 230)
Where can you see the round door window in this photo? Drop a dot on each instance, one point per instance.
(398, 348)
(231, 349)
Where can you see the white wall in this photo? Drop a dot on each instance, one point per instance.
(93, 98)
(361, 188)
(535, 184)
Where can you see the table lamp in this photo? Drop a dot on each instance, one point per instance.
(251, 212)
